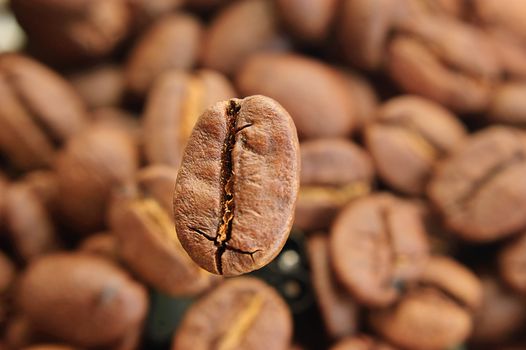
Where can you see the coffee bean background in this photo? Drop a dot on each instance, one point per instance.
(410, 223)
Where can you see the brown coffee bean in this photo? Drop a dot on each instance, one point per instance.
(333, 172)
(38, 111)
(173, 42)
(361, 343)
(147, 240)
(501, 314)
(456, 73)
(145, 11)
(103, 244)
(479, 188)
(507, 105)
(29, 224)
(242, 313)
(100, 86)
(7, 273)
(310, 21)
(240, 30)
(511, 17)
(315, 94)
(435, 314)
(82, 299)
(98, 160)
(3, 189)
(509, 50)
(174, 104)
(44, 185)
(364, 96)
(409, 135)
(378, 244)
(511, 263)
(338, 310)
(237, 186)
(72, 31)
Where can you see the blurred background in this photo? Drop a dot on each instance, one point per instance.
(410, 225)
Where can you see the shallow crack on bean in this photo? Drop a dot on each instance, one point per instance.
(198, 231)
(517, 158)
(224, 229)
(240, 251)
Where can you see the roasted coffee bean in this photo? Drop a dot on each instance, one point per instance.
(238, 31)
(71, 31)
(377, 245)
(361, 343)
(171, 43)
(174, 104)
(310, 21)
(44, 185)
(91, 165)
(82, 299)
(333, 172)
(146, 11)
(101, 86)
(479, 188)
(147, 240)
(102, 244)
(409, 135)
(39, 110)
(501, 314)
(510, 52)
(434, 314)
(364, 96)
(507, 105)
(458, 73)
(7, 273)
(29, 224)
(315, 94)
(242, 313)
(338, 310)
(237, 186)
(511, 263)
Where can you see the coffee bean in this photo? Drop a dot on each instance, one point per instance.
(173, 42)
(82, 299)
(324, 109)
(507, 105)
(102, 244)
(100, 86)
(333, 173)
(511, 260)
(237, 186)
(409, 135)
(242, 313)
(39, 111)
(479, 188)
(174, 104)
(440, 307)
(338, 310)
(361, 343)
(377, 245)
(7, 273)
(147, 239)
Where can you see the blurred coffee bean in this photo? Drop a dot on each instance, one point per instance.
(308, 20)
(103, 244)
(28, 223)
(146, 237)
(49, 347)
(339, 311)
(315, 94)
(512, 259)
(44, 186)
(479, 188)
(100, 86)
(238, 31)
(81, 299)
(333, 173)
(174, 104)
(92, 164)
(173, 42)
(19, 333)
(39, 111)
(146, 11)
(241, 313)
(361, 342)
(123, 121)
(507, 104)
(409, 135)
(68, 32)
(7, 273)
(377, 245)
(456, 73)
(501, 314)
(364, 97)
(436, 313)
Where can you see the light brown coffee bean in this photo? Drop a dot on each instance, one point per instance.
(242, 313)
(173, 42)
(361, 343)
(237, 185)
(174, 104)
(100, 86)
(315, 94)
(511, 261)
(82, 299)
(102, 244)
(507, 105)
(377, 245)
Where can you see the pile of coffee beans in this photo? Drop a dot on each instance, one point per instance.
(262, 174)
